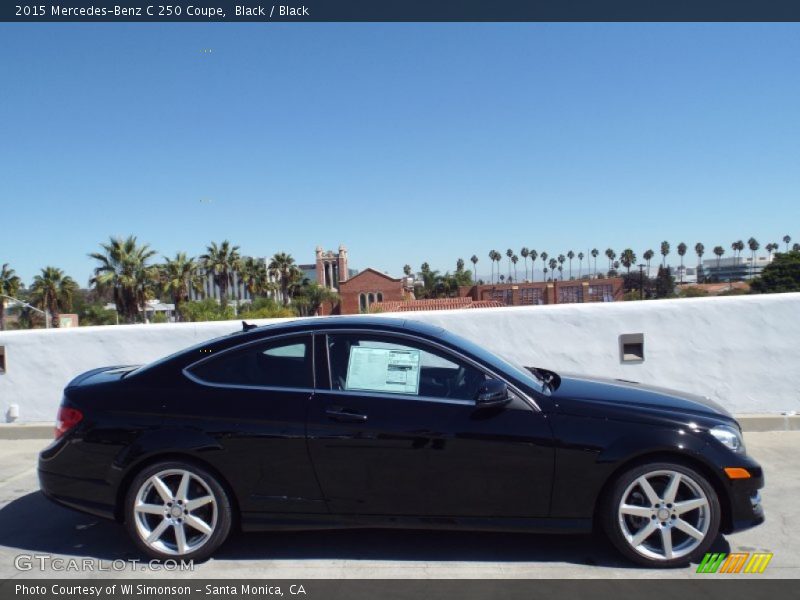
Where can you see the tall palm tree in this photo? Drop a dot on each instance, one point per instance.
(611, 255)
(648, 256)
(459, 265)
(737, 248)
(407, 270)
(699, 249)
(509, 254)
(718, 251)
(664, 252)
(682, 252)
(474, 260)
(553, 262)
(580, 264)
(595, 252)
(283, 268)
(524, 252)
(770, 248)
(9, 286)
(543, 256)
(753, 244)
(491, 260)
(786, 239)
(534, 255)
(570, 256)
(628, 259)
(123, 269)
(178, 277)
(221, 262)
(796, 247)
(561, 260)
(514, 260)
(52, 291)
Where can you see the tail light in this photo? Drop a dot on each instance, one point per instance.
(67, 419)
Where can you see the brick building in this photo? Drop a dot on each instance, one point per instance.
(360, 292)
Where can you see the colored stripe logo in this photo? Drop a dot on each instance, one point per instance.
(736, 562)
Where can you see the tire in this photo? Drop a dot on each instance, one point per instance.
(177, 510)
(671, 524)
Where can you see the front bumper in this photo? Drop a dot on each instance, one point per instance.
(746, 509)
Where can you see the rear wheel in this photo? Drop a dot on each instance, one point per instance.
(177, 510)
(662, 514)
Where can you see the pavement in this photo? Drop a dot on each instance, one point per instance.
(35, 533)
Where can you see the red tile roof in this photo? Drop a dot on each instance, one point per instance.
(433, 304)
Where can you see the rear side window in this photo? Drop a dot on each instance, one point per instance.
(282, 363)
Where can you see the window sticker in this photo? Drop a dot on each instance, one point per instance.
(383, 370)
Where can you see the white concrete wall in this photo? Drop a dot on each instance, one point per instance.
(741, 351)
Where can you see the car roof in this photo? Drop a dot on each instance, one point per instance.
(347, 322)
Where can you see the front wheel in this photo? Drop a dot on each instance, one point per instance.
(177, 510)
(662, 514)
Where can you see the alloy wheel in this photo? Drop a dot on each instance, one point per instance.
(175, 512)
(664, 515)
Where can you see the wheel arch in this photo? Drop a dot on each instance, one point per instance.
(688, 460)
(137, 467)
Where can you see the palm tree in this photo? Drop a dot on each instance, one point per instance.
(221, 262)
(628, 259)
(753, 244)
(543, 256)
(664, 252)
(611, 255)
(178, 276)
(509, 254)
(123, 269)
(580, 264)
(524, 252)
(718, 251)
(786, 239)
(9, 286)
(737, 248)
(553, 263)
(796, 247)
(533, 254)
(699, 249)
(254, 276)
(770, 248)
(648, 256)
(570, 256)
(682, 252)
(474, 260)
(311, 296)
(283, 268)
(498, 257)
(595, 252)
(561, 260)
(407, 270)
(52, 291)
(514, 260)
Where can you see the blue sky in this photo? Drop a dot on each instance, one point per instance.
(406, 142)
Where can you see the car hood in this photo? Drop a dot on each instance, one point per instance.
(632, 394)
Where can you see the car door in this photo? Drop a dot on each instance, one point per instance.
(253, 400)
(397, 432)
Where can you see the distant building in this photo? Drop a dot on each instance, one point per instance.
(734, 269)
(547, 292)
(360, 292)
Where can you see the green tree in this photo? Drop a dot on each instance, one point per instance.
(628, 259)
(781, 275)
(699, 249)
(664, 252)
(786, 239)
(543, 256)
(514, 260)
(553, 265)
(207, 310)
(9, 286)
(123, 271)
(682, 248)
(595, 252)
(177, 277)
(509, 254)
(665, 283)
(648, 256)
(311, 296)
(533, 256)
(570, 256)
(581, 256)
(407, 270)
(610, 255)
(254, 276)
(221, 262)
(474, 261)
(753, 244)
(524, 253)
(52, 291)
(289, 276)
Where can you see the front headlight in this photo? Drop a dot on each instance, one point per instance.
(729, 436)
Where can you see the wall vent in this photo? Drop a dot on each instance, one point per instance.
(631, 347)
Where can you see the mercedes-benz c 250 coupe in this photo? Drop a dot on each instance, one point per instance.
(377, 422)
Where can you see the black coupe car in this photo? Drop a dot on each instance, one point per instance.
(377, 422)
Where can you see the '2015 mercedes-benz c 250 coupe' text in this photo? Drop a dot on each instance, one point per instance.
(379, 422)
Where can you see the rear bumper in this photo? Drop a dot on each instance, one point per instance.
(79, 494)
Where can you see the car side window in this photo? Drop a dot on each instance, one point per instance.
(279, 363)
(374, 363)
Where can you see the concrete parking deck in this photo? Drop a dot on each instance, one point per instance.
(32, 526)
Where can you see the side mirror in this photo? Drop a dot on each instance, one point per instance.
(492, 393)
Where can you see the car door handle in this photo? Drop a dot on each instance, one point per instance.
(337, 413)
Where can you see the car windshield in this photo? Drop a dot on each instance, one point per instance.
(501, 363)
